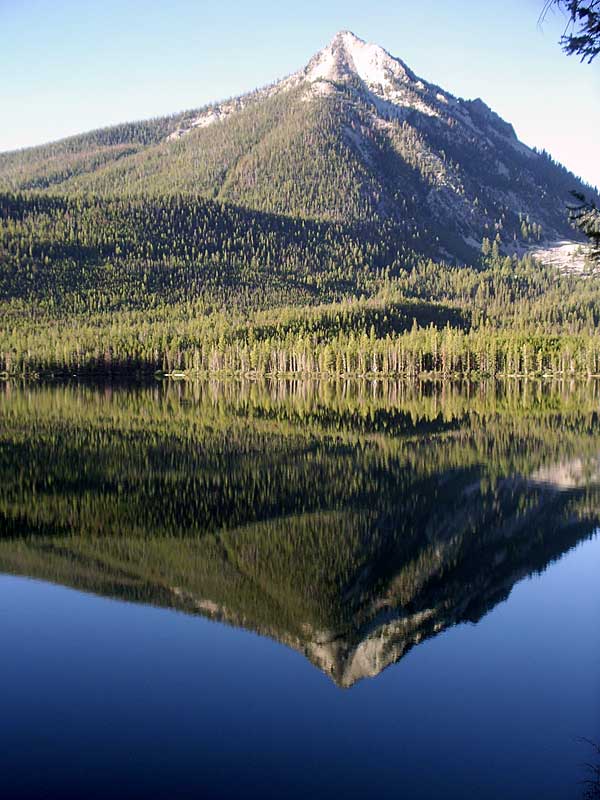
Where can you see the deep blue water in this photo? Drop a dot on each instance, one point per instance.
(102, 698)
(299, 591)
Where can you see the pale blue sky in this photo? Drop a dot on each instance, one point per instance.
(68, 65)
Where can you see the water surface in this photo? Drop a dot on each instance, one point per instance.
(297, 589)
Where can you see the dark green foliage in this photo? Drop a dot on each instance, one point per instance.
(81, 254)
(586, 217)
(582, 36)
(346, 157)
(44, 166)
(176, 283)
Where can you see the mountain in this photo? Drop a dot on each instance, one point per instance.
(347, 524)
(353, 138)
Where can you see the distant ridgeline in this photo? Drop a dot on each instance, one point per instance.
(304, 228)
(262, 504)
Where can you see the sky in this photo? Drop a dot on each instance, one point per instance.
(69, 66)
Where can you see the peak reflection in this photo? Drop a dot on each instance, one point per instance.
(350, 521)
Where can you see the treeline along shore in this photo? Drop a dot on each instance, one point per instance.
(190, 287)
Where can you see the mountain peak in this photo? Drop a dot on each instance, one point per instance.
(344, 36)
(348, 56)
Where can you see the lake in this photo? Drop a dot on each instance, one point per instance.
(299, 589)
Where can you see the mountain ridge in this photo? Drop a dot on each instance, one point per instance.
(354, 136)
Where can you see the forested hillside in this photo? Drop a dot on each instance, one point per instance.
(353, 137)
(178, 284)
(350, 219)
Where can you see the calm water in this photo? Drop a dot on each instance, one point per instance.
(299, 590)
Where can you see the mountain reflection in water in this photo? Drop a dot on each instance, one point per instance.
(349, 521)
